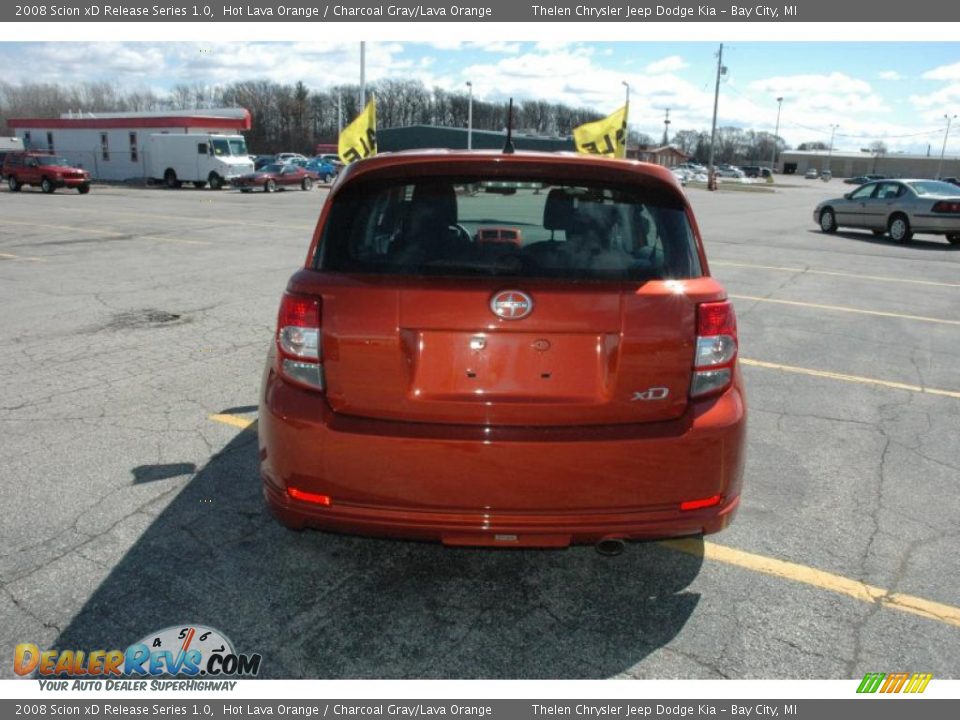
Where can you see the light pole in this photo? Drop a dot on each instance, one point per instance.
(943, 151)
(627, 86)
(470, 117)
(776, 134)
(833, 132)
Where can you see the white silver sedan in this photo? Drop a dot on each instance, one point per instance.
(898, 208)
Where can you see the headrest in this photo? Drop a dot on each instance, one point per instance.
(558, 210)
(439, 198)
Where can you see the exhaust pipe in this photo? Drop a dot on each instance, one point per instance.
(609, 547)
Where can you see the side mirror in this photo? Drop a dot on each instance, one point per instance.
(848, 195)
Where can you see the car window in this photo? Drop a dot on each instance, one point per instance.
(889, 190)
(933, 187)
(574, 231)
(863, 192)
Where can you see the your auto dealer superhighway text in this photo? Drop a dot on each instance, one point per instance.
(680, 12)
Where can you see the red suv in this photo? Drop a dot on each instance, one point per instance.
(581, 386)
(49, 172)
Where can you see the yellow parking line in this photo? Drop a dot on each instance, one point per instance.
(235, 420)
(835, 273)
(771, 566)
(103, 231)
(11, 256)
(849, 378)
(820, 579)
(844, 308)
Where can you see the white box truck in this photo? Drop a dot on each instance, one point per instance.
(198, 158)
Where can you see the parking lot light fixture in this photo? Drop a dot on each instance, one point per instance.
(943, 150)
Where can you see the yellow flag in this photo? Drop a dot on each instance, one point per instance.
(603, 137)
(359, 139)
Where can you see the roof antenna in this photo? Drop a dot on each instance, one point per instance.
(508, 145)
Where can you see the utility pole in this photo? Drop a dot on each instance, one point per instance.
(339, 110)
(833, 132)
(666, 129)
(712, 176)
(943, 151)
(363, 75)
(470, 117)
(776, 135)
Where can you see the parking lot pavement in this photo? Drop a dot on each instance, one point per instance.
(134, 329)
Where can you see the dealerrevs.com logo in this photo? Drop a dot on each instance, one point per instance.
(183, 651)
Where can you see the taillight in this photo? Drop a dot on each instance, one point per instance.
(298, 340)
(716, 351)
(947, 206)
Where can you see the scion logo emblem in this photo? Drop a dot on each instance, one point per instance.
(654, 393)
(511, 304)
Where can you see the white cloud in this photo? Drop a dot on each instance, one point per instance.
(889, 75)
(944, 72)
(668, 64)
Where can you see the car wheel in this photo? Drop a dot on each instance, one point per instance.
(326, 179)
(899, 229)
(170, 178)
(269, 186)
(13, 184)
(199, 184)
(828, 221)
(83, 189)
(47, 186)
(216, 182)
(953, 239)
(307, 184)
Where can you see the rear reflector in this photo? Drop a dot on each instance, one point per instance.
(308, 496)
(698, 504)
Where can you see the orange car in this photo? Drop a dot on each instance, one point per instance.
(499, 235)
(580, 388)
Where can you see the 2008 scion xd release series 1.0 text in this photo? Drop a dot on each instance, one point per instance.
(577, 382)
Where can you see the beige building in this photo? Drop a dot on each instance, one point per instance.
(851, 164)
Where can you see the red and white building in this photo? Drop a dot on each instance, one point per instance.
(110, 145)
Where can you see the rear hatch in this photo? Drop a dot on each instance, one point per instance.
(607, 277)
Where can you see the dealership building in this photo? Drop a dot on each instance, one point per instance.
(852, 164)
(111, 145)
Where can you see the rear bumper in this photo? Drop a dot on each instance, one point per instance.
(505, 487)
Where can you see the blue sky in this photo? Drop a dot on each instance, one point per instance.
(895, 92)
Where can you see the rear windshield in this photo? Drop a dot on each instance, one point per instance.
(933, 187)
(570, 231)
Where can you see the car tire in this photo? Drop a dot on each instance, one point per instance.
(828, 221)
(216, 182)
(307, 184)
(170, 178)
(83, 189)
(244, 190)
(325, 179)
(953, 239)
(270, 186)
(47, 186)
(898, 228)
(199, 184)
(13, 184)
